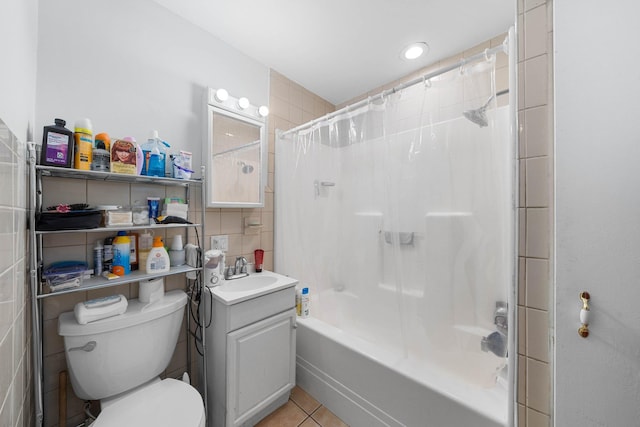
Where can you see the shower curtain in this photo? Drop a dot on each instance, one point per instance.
(398, 215)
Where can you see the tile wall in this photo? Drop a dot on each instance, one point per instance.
(535, 112)
(15, 314)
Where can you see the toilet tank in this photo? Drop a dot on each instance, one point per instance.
(130, 349)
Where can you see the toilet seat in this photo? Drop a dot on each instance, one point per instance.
(166, 403)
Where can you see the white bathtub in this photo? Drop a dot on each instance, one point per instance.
(367, 385)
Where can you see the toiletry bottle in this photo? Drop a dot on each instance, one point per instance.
(304, 303)
(145, 241)
(101, 158)
(158, 260)
(98, 252)
(155, 154)
(121, 254)
(107, 263)
(84, 144)
(57, 145)
(299, 301)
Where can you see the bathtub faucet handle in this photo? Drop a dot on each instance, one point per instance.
(501, 317)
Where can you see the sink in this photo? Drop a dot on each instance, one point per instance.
(250, 283)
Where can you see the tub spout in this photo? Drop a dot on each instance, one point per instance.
(496, 343)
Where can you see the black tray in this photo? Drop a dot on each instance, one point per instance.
(72, 220)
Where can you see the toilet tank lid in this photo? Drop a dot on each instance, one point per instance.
(137, 312)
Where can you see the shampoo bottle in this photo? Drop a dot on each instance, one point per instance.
(158, 260)
(304, 303)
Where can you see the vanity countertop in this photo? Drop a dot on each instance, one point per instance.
(254, 285)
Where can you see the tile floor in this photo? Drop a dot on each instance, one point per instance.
(302, 410)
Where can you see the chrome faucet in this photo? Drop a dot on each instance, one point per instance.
(241, 265)
(496, 342)
(238, 270)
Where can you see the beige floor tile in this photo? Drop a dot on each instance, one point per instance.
(304, 400)
(326, 418)
(288, 415)
(309, 423)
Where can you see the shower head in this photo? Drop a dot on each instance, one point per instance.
(479, 115)
(247, 169)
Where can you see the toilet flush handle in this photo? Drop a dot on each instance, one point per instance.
(87, 347)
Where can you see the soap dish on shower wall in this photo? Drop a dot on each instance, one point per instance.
(402, 237)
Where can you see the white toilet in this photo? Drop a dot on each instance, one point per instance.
(117, 361)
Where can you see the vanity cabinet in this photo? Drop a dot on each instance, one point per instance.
(250, 356)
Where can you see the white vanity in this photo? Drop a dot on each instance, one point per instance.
(250, 347)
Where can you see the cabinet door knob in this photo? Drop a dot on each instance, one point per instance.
(583, 330)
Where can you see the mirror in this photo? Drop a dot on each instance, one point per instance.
(236, 145)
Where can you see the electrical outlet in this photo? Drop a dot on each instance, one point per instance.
(220, 242)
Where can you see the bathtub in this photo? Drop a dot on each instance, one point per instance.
(368, 385)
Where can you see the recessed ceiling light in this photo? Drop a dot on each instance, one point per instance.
(415, 50)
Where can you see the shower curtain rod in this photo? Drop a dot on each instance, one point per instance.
(482, 55)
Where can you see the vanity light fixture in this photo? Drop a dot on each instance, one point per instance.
(243, 103)
(414, 50)
(263, 111)
(221, 95)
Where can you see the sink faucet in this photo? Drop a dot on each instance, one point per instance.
(241, 265)
(238, 270)
(496, 342)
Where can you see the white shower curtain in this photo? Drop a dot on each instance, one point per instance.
(398, 216)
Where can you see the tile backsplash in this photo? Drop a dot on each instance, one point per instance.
(16, 408)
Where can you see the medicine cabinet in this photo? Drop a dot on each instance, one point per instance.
(236, 153)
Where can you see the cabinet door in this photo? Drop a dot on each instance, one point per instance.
(260, 365)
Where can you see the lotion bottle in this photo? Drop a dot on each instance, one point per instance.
(158, 260)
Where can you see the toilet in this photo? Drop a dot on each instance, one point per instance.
(118, 361)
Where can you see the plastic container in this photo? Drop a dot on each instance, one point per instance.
(140, 214)
(83, 144)
(154, 207)
(57, 145)
(155, 155)
(101, 158)
(100, 308)
(145, 243)
(158, 260)
(121, 254)
(64, 275)
(98, 254)
(304, 303)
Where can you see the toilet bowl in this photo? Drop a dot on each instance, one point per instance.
(118, 361)
(166, 403)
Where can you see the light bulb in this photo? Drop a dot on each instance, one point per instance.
(221, 95)
(243, 103)
(263, 111)
(414, 50)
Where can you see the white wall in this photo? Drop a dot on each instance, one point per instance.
(132, 66)
(18, 36)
